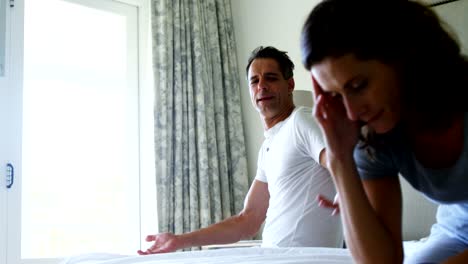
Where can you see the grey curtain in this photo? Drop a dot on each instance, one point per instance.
(201, 165)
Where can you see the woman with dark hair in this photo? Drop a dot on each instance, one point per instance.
(389, 83)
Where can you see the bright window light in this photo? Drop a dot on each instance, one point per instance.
(80, 132)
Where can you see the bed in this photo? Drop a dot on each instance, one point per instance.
(253, 255)
(242, 255)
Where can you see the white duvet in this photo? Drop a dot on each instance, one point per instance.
(251, 255)
(225, 256)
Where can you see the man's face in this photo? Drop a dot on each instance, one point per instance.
(270, 93)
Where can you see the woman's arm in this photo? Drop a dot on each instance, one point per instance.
(371, 214)
(371, 209)
(458, 259)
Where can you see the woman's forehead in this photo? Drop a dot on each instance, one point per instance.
(333, 72)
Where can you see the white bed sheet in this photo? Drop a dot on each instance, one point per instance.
(251, 255)
(255, 255)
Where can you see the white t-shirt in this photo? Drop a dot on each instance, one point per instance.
(288, 162)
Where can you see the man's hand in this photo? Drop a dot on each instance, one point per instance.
(163, 243)
(326, 203)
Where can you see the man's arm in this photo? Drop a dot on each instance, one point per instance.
(241, 226)
(323, 200)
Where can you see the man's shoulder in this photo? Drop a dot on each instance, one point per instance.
(303, 110)
(303, 118)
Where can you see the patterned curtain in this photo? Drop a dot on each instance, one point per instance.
(201, 165)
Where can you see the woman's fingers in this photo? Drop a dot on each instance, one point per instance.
(316, 89)
(319, 109)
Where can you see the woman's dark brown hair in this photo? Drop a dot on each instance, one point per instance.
(404, 34)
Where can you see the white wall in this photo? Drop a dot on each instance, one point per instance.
(275, 23)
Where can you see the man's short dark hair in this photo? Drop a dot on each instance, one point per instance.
(284, 62)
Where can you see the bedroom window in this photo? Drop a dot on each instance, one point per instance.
(80, 129)
(86, 165)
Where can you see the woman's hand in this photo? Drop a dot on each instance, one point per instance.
(341, 134)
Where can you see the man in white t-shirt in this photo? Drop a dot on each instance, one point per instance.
(289, 175)
(287, 165)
